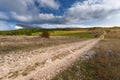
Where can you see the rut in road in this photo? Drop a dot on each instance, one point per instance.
(44, 64)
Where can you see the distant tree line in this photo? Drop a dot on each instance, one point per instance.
(20, 32)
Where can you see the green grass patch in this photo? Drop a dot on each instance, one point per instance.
(38, 32)
(67, 33)
(79, 35)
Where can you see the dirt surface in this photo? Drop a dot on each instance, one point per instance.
(43, 64)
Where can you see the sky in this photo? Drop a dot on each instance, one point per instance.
(58, 13)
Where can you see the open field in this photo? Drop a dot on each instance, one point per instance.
(104, 64)
(60, 40)
(64, 54)
(79, 33)
(13, 41)
(10, 44)
(29, 55)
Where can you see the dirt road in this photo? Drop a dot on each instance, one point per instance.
(43, 64)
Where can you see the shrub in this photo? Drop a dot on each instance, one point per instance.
(45, 34)
(107, 30)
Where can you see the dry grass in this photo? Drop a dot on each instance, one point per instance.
(104, 65)
(16, 43)
(113, 34)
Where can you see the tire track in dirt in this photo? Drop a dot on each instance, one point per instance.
(53, 69)
(15, 64)
(48, 64)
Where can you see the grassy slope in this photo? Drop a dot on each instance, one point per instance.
(104, 65)
(80, 33)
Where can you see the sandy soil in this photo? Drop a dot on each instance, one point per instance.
(43, 64)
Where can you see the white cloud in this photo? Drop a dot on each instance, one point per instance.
(46, 16)
(26, 11)
(21, 18)
(49, 3)
(49, 18)
(18, 6)
(18, 10)
(47, 26)
(89, 10)
(18, 27)
(38, 18)
(26, 6)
